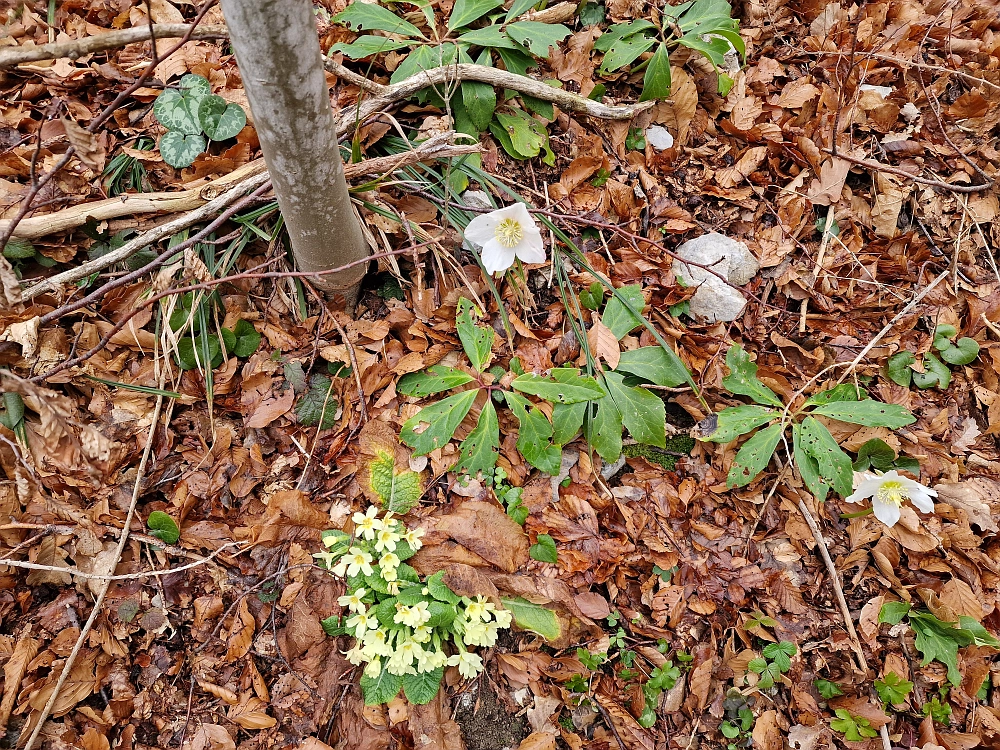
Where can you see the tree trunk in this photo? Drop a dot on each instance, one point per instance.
(277, 49)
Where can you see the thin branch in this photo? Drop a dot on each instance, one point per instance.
(880, 167)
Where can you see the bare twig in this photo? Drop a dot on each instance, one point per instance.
(880, 167)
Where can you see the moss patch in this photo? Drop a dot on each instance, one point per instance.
(677, 446)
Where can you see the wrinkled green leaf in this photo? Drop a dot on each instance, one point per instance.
(381, 689)
(421, 688)
(439, 589)
(318, 405)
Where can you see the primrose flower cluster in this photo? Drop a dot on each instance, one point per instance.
(402, 626)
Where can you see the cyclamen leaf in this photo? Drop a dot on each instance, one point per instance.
(618, 317)
(538, 37)
(421, 688)
(834, 465)
(655, 364)
(195, 87)
(442, 419)
(434, 379)
(642, 413)
(366, 46)
(534, 617)
(808, 467)
(943, 335)
(466, 11)
(742, 378)
(220, 119)
(479, 451)
(962, 352)
(739, 420)
(370, 17)
(246, 339)
(163, 527)
(656, 81)
(177, 112)
(381, 689)
(180, 150)
(318, 405)
(754, 456)
(565, 386)
(898, 368)
(868, 413)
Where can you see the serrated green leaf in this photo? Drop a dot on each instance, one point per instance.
(399, 490)
(937, 640)
(439, 589)
(567, 421)
(544, 549)
(534, 617)
(220, 119)
(868, 413)
(898, 368)
(479, 451)
(834, 465)
(827, 689)
(477, 340)
(318, 405)
(163, 527)
(177, 112)
(893, 689)
(537, 36)
(442, 419)
(642, 412)
(754, 456)
(602, 427)
(366, 46)
(534, 435)
(381, 689)
(656, 81)
(372, 17)
(565, 386)
(808, 466)
(434, 379)
(465, 12)
(842, 392)
(519, 8)
(421, 688)
(757, 665)
(893, 612)
(742, 378)
(962, 352)
(480, 101)
(180, 150)
(655, 364)
(854, 729)
(617, 317)
(739, 420)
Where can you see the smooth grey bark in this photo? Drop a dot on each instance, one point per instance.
(277, 49)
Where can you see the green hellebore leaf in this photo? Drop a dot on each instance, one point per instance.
(742, 378)
(868, 413)
(442, 419)
(754, 456)
(373, 17)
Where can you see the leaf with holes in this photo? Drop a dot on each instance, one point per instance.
(739, 420)
(534, 434)
(220, 119)
(180, 150)
(434, 379)
(373, 17)
(754, 456)
(442, 419)
(177, 112)
(808, 466)
(538, 37)
(602, 427)
(366, 46)
(834, 465)
(479, 451)
(869, 413)
(565, 386)
(477, 340)
(742, 378)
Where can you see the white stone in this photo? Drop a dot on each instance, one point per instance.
(659, 137)
(716, 300)
(883, 91)
(477, 199)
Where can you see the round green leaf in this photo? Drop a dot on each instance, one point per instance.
(962, 352)
(180, 150)
(163, 527)
(898, 368)
(195, 87)
(219, 119)
(177, 112)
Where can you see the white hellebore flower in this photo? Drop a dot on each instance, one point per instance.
(888, 492)
(505, 234)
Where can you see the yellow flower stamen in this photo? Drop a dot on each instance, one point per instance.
(892, 492)
(509, 232)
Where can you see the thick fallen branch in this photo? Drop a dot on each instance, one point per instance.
(439, 146)
(12, 56)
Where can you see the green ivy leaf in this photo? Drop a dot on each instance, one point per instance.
(442, 419)
(434, 379)
(742, 378)
(220, 119)
(618, 317)
(808, 466)
(898, 368)
(477, 340)
(177, 112)
(754, 456)
(534, 617)
(544, 549)
(868, 413)
(318, 405)
(642, 413)
(479, 451)
(466, 11)
(962, 352)
(180, 150)
(591, 14)
(602, 427)
(372, 17)
(163, 527)
(739, 420)
(893, 612)
(421, 688)
(537, 36)
(534, 435)
(565, 386)
(381, 689)
(656, 81)
(655, 364)
(834, 465)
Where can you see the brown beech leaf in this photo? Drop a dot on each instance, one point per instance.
(242, 632)
(489, 532)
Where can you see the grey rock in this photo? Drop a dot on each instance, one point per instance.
(716, 301)
(659, 137)
(476, 199)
